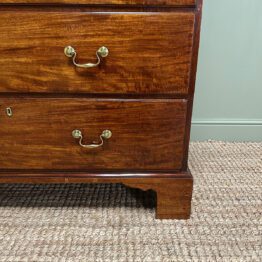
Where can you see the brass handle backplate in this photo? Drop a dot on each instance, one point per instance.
(106, 134)
(71, 53)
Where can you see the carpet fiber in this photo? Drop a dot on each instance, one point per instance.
(114, 223)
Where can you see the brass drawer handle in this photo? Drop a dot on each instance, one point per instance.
(77, 134)
(101, 52)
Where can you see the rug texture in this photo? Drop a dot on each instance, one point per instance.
(115, 223)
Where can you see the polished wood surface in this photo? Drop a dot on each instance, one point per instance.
(143, 91)
(147, 134)
(195, 49)
(105, 2)
(149, 53)
(174, 191)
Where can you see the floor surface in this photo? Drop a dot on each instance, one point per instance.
(115, 223)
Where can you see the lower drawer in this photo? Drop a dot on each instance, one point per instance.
(36, 134)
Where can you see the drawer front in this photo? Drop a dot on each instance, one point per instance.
(37, 134)
(105, 2)
(149, 53)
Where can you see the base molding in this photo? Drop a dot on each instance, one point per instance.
(227, 130)
(174, 191)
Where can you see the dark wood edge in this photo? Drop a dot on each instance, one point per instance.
(93, 96)
(109, 99)
(65, 180)
(81, 173)
(197, 28)
(119, 9)
(85, 177)
(70, 5)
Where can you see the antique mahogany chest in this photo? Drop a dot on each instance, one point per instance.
(99, 91)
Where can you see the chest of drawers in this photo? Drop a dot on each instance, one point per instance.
(100, 91)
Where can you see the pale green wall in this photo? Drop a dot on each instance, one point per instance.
(228, 101)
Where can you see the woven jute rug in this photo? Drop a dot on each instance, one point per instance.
(115, 223)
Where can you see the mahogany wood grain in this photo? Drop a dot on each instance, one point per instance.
(50, 98)
(147, 134)
(174, 191)
(105, 2)
(149, 53)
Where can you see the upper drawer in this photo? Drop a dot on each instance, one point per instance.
(148, 52)
(105, 2)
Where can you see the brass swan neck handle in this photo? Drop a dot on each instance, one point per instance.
(100, 53)
(77, 134)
